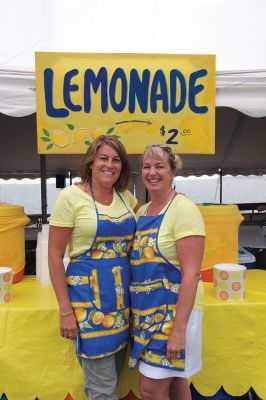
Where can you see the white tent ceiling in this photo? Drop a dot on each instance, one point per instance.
(233, 30)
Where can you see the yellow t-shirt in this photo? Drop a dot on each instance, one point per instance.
(75, 209)
(183, 218)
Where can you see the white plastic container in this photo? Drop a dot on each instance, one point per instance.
(42, 269)
(229, 282)
(246, 258)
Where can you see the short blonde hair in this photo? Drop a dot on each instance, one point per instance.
(165, 153)
(89, 157)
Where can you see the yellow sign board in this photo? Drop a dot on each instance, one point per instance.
(138, 98)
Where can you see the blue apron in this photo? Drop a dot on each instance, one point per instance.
(98, 285)
(154, 294)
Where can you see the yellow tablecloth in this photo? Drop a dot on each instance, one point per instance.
(234, 341)
(36, 362)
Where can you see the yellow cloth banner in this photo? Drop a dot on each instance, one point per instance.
(35, 361)
(138, 98)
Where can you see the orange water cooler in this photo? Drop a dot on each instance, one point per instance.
(12, 239)
(221, 244)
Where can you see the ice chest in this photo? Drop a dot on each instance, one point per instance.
(12, 239)
(221, 243)
(246, 258)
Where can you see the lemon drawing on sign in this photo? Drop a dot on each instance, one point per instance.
(60, 138)
(78, 135)
(80, 313)
(96, 132)
(108, 321)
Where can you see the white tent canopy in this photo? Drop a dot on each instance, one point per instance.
(233, 30)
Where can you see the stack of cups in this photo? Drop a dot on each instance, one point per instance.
(229, 282)
(6, 281)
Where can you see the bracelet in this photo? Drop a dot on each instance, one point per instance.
(66, 314)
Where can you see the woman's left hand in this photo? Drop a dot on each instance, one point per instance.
(68, 326)
(176, 345)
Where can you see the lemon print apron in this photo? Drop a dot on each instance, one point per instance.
(154, 294)
(98, 285)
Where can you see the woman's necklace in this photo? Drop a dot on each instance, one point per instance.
(105, 199)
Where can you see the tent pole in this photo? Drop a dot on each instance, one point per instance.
(43, 188)
(221, 184)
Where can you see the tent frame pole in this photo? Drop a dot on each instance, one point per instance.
(43, 188)
(221, 184)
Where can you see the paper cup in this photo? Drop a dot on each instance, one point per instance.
(6, 281)
(229, 282)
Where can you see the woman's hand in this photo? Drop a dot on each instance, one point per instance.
(68, 326)
(176, 344)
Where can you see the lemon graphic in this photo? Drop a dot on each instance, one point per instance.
(110, 254)
(7, 277)
(60, 138)
(97, 317)
(166, 284)
(96, 254)
(136, 319)
(81, 314)
(7, 297)
(108, 321)
(167, 327)
(145, 326)
(158, 317)
(143, 241)
(223, 295)
(79, 135)
(126, 313)
(224, 275)
(96, 132)
(135, 244)
(148, 253)
(152, 328)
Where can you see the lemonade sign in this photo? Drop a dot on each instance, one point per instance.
(137, 98)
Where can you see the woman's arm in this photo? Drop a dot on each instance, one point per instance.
(58, 240)
(190, 252)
